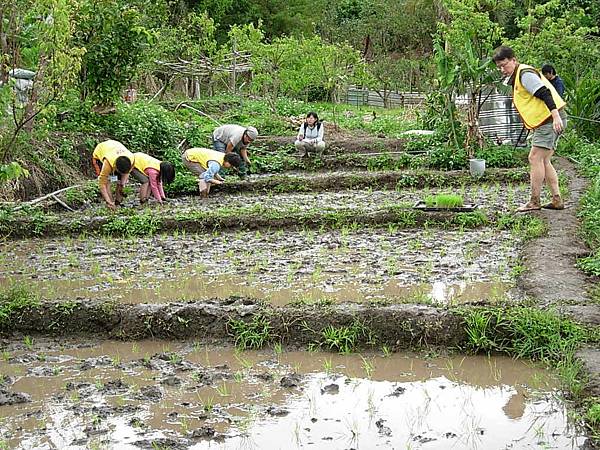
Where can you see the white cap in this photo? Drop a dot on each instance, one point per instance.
(252, 132)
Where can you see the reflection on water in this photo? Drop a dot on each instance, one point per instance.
(191, 288)
(129, 395)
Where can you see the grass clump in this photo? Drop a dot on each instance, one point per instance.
(590, 264)
(144, 224)
(344, 339)
(250, 335)
(444, 201)
(14, 299)
(523, 332)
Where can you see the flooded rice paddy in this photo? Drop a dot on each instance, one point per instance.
(154, 394)
(497, 197)
(281, 267)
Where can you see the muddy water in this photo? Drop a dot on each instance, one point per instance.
(280, 267)
(503, 198)
(182, 395)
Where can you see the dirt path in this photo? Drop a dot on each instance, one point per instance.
(552, 277)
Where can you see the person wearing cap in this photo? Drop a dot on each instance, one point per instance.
(206, 163)
(112, 161)
(235, 138)
(152, 173)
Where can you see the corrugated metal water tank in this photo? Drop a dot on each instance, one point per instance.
(499, 120)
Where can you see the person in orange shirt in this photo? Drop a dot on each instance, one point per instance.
(152, 173)
(111, 161)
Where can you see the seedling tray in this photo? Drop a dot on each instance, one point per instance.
(422, 206)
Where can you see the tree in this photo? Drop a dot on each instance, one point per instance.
(40, 34)
(464, 62)
(115, 40)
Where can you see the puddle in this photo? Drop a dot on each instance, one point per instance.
(338, 266)
(155, 394)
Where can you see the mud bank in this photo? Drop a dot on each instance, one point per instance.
(401, 326)
(339, 181)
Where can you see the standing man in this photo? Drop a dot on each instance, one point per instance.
(541, 110)
(235, 138)
(550, 73)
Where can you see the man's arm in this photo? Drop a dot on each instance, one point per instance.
(532, 82)
(244, 154)
(211, 171)
(104, 184)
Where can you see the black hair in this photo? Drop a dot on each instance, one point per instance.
(123, 164)
(503, 52)
(233, 158)
(547, 68)
(313, 114)
(167, 172)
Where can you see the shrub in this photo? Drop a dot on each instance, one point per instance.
(145, 127)
(445, 157)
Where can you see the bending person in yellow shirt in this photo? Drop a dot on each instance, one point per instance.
(112, 162)
(206, 164)
(152, 173)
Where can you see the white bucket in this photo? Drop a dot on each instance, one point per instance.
(476, 167)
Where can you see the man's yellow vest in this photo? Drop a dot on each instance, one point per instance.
(203, 155)
(110, 151)
(533, 111)
(144, 161)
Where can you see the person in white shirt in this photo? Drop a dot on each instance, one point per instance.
(310, 136)
(235, 138)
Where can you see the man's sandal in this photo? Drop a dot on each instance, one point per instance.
(529, 207)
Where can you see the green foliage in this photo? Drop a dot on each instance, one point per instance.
(593, 415)
(343, 339)
(523, 332)
(583, 102)
(87, 194)
(444, 201)
(551, 32)
(446, 157)
(146, 127)
(503, 156)
(470, 219)
(525, 226)
(115, 40)
(14, 299)
(129, 224)
(251, 335)
(590, 264)
(12, 171)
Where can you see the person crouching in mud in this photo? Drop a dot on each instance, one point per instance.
(206, 163)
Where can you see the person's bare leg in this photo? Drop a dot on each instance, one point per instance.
(144, 192)
(537, 174)
(552, 182)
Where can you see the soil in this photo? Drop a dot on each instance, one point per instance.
(552, 277)
(347, 144)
